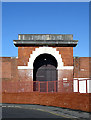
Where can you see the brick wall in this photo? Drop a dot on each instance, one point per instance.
(66, 54)
(24, 54)
(81, 67)
(9, 68)
(75, 101)
(10, 71)
(68, 74)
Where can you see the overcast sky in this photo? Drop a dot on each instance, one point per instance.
(45, 18)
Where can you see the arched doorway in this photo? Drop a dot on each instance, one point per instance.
(45, 73)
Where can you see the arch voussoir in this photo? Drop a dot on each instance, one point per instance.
(47, 50)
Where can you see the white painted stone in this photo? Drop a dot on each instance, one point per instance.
(67, 67)
(23, 67)
(82, 69)
(19, 37)
(64, 78)
(81, 78)
(45, 50)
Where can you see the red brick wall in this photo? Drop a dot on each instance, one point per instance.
(72, 100)
(81, 67)
(9, 68)
(6, 67)
(66, 54)
(10, 71)
(66, 74)
(25, 75)
(75, 101)
(67, 58)
(24, 54)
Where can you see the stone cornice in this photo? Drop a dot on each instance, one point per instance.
(52, 43)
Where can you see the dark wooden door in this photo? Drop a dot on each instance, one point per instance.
(44, 74)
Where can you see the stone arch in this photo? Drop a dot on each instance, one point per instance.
(47, 50)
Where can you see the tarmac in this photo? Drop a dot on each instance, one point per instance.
(57, 111)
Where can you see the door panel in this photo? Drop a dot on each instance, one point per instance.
(46, 73)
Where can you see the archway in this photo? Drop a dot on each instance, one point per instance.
(45, 73)
(48, 50)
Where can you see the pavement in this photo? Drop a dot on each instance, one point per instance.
(40, 111)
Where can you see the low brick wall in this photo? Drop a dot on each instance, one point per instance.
(75, 101)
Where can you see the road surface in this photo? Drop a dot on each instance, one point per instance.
(38, 111)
